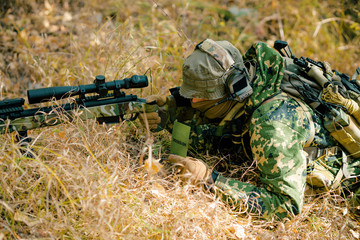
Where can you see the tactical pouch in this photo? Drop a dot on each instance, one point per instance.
(325, 167)
(348, 136)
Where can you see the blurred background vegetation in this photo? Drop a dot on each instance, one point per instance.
(62, 193)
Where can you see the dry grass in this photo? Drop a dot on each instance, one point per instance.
(86, 181)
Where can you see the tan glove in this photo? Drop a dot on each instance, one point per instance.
(191, 169)
(152, 118)
(158, 99)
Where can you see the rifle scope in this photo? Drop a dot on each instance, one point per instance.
(99, 86)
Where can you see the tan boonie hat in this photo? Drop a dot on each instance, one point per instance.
(203, 69)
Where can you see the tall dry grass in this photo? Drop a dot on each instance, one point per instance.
(85, 181)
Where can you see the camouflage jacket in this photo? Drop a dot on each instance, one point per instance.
(278, 130)
(205, 136)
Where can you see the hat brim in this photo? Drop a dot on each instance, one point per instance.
(214, 93)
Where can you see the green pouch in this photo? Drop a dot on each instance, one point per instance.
(180, 139)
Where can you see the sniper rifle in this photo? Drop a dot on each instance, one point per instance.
(106, 103)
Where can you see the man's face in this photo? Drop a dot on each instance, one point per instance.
(212, 109)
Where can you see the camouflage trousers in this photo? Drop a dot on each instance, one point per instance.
(278, 132)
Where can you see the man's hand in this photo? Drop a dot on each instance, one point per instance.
(152, 118)
(158, 99)
(191, 169)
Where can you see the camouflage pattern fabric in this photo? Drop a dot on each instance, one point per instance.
(219, 53)
(269, 73)
(279, 129)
